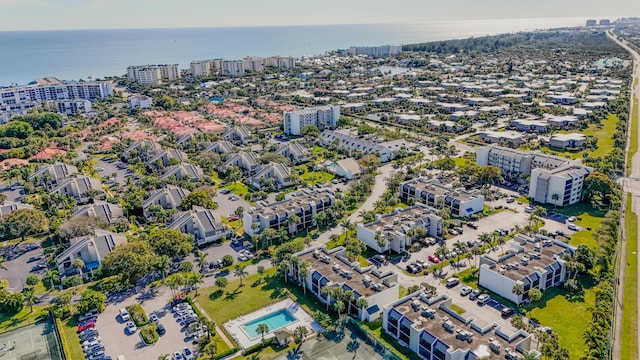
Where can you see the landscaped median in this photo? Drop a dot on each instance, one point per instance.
(138, 315)
(629, 330)
(149, 333)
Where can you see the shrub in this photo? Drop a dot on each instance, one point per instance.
(227, 260)
(224, 354)
(257, 347)
(149, 334)
(138, 315)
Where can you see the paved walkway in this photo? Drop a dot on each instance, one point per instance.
(631, 185)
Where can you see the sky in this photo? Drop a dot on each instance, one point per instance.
(126, 14)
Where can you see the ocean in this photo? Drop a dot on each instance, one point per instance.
(85, 54)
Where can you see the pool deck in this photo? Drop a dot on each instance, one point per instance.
(234, 327)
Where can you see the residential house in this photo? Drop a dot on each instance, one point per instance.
(143, 149)
(348, 168)
(51, 175)
(169, 198)
(294, 151)
(200, 223)
(220, 147)
(530, 125)
(238, 134)
(531, 262)
(567, 141)
(461, 202)
(91, 249)
(109, 213)
(563, 121)
(508, 137)
(356, 145)
(246, 161)
(332, 268)
(167, 157)
(397, 228)
(272, 173)
(78, 188)
(183, 170)
(10, 206)
(306, 204)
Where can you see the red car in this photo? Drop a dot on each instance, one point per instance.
(89, 325)
(434, 259)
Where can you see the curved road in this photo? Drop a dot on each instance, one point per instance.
(631, 185)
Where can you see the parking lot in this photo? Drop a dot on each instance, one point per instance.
(118, 342)
(107, 167)
(17, 260)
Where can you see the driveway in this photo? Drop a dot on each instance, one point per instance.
(107, 168)
(18, 268)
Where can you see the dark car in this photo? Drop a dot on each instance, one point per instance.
(474, 294)
(34, 258)
(161, 329)
(507, 311)
(412, 269)
(38, 267)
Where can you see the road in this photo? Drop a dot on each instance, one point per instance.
(631, 185)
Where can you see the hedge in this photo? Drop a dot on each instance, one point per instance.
(138, 315)
(63, 340)
(257, 347)
(149, 334)
(225, 353)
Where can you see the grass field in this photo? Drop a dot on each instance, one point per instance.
(633, 145)
(565, 313)
(68, 331)
(238, 188)
(22, 318)
(588, 218)
(317, 176)
(604, 134)
(629, 349)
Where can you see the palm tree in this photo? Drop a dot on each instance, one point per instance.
(78, 264)
(293, 220)
(201, 260)
(300, 332)
(518, 289)
(193, 279)
(485, 237)
(348, 297)
(52, 277)
(240, 272)
(162, 265)
(339, 307)
(303, 271)
(326, 294)
(361, 304)
(262, 329)
(30, 298)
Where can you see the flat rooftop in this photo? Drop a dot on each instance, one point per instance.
(438, 189)
(535, 257)
(333, 267)
(436, 321)
(296, 201)
(403, 217)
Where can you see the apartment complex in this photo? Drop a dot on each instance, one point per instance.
(513, 163)
(201, 68)
(90, 249)
(461, 202)
(560, 187)
(355, 146)
(305, 204)
(153, 74)
(396, 230)
(322, 117)
(531, 262)
(64, 96)
(375, 51)
(200, 223)
(431, 328)
(332, 268)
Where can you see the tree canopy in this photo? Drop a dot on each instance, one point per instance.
(170, 242)
(23, 222)
(131, 261)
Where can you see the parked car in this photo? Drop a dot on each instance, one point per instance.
(225, 191)
(131, 327)
(124, 315)
(412, 269)
(507, 311)
(188, 354)
(483, 299)
(434, 259)
(85, 326)
(474, 294)
(472, 225)
(453, 232)
(510, 200)
(451, 282)
(571, 219)
(459, 229)
(177, 356)
(154, 318)
(38, 267)
(466, 290)
(161, 330)
(573, 227)
(233, 218)
(34, 258)
(234, 198)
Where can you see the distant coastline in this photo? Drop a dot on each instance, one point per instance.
(80, 54)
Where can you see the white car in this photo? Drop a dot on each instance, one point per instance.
(154, 318)
(188, 354)
(573, 227)
(466, 290)
(483, 299)
(124, 315)
(131, 327)
(571, 219)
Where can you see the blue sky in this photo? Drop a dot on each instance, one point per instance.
(102, 14)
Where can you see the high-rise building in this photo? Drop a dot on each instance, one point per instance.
(376, 51)
(323, 117)
(232, 67)
(153, 74)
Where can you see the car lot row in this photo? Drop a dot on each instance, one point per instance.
(90, 340)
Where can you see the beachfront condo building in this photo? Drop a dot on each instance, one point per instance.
(153, 74)
(322, 117)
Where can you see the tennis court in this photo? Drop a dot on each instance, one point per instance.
(33, 342)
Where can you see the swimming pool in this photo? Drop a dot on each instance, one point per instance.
(331, 166)
(274, 321)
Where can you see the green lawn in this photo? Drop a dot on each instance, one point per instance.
(23, 318)
(317, 176)
(588, 218)
(469, 277)
(633, 146)
(460, 161)
(567, 314)
(604, 134)
(68, 331)
(238, 188)
(629, 349)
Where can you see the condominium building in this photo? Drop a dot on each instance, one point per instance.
(200, 68)
(18, 100)
(252, 63)
(232, 67)
(531, 262)
(153, 74)
(51, 175)
(80, 189)
(396, 230)
(355, 146)
(200, 223)
(332, 268)
(305, 204)
(461, 202)
(431, 328)
(107, 212)
(376, 51)
(513, 163)
(91, 249)
(322, 117)
(140, 101)
(560, 187)
(169, 198)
